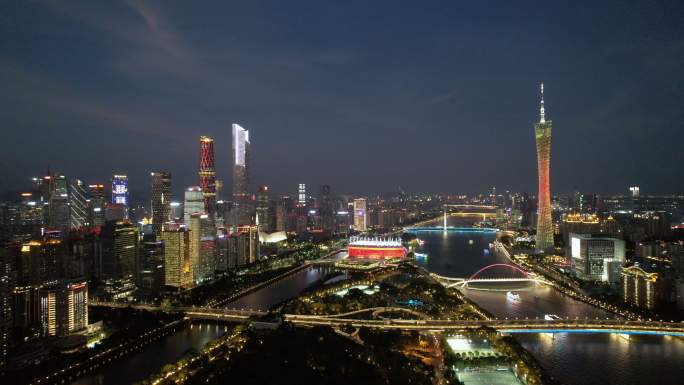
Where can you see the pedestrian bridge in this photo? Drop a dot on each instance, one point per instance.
(494, 273)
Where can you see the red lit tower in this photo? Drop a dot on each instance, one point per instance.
(207, 174)
(542, 132)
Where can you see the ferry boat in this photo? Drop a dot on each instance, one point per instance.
(513, 296)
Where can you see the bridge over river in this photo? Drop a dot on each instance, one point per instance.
(424, 323)
(502, 325)
(502, 273)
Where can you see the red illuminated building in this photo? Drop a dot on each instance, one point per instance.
(207, 174)
(361, 248)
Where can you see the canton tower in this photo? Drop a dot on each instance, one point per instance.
(542, 133)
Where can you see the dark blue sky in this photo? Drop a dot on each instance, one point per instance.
(435, 96)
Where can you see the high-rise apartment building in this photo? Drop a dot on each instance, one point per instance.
(161, 200)
(40, 262)
(64, 307)
(542, 132)
(241, 164)
(243, 246)
(642, 287)
(178, 269)
(207, 174)
(360, 214)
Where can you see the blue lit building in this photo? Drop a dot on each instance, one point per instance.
(120, 189)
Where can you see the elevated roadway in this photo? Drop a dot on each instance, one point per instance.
(504, 326)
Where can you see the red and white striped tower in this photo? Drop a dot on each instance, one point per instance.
(207, 174)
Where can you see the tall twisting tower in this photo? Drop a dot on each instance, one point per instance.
(542, 133)
(207, 174)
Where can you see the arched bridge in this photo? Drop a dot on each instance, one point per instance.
(497, 272)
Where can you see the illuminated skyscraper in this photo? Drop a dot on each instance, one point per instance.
(178, 268)
(207, 173)
(194, 203)
(161, 198)
(202, 246)
(58, 202)
(542, 133)
(64, 307)
(262, 210)
(241, 160)
(7, 284)
(327, 210)
(119, 243)
(78, 205)
(360, 223)
(301, 194)
(97, 203)
(120, 191)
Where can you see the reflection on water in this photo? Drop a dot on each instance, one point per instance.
(574, 359)
(534, 302)
(588, 359)
(284, 289)
(460, 255)
(151, 358)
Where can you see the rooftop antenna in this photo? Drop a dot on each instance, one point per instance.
(541, 109)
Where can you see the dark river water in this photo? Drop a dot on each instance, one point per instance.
(151, 358)
(284, 289)
(574, 359)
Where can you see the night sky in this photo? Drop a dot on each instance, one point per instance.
(367, 96)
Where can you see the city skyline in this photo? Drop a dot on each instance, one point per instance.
(457, 93)
(385, 191)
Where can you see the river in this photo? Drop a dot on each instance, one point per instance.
(279, 291)
(574, 359)
(151, 358)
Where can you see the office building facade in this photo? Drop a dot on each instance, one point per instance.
(241, 169)
(161, 199)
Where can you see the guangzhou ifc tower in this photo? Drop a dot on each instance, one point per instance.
(542, 133)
